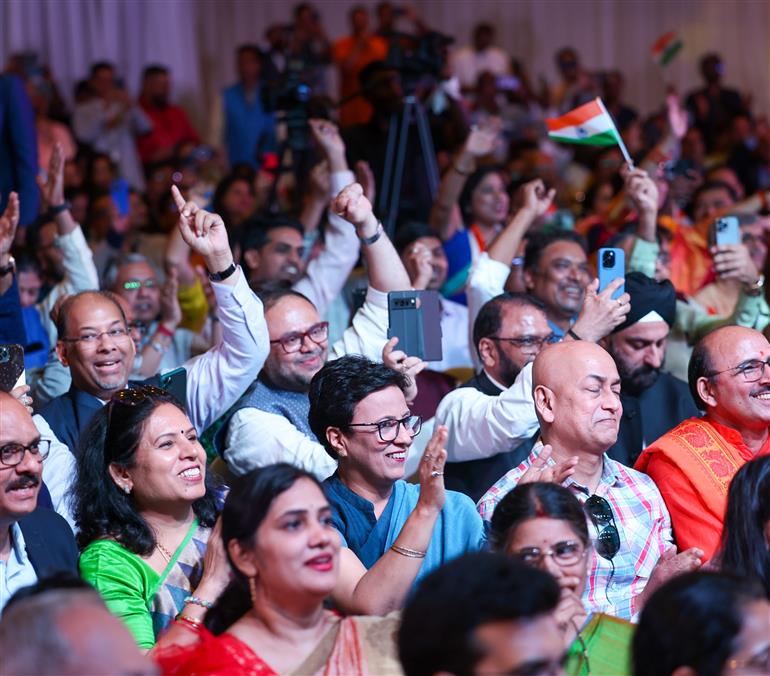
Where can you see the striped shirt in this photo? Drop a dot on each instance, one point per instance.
(643, 524)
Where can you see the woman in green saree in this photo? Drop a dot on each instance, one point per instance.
(544, 526)
(145, 513)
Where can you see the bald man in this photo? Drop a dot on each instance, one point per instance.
(694, 463)
(35, 542)
(576, 389)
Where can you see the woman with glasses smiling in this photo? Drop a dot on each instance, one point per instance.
(544, 526)
(359, 413)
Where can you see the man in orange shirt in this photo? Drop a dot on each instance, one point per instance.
(694, 463)
(352, 54)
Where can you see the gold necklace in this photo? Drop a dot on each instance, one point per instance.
(164, 552)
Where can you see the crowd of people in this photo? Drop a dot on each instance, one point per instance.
(217, 460)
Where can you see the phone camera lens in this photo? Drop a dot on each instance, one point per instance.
(608, 259)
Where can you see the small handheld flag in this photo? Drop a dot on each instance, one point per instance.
(665, 48)
(589, 124)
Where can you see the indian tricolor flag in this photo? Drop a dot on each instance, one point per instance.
(590, 125)
(665, 48)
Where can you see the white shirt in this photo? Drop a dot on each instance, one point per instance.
(454, 337)
(256, 438)
(481, 426)
(486, 279)
(17, 572)
(326, 275)
(215, 379)
(468, 64)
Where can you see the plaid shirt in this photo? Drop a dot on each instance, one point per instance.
(643, 524)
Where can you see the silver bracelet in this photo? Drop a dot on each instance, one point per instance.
(409, 553)
(368, 241)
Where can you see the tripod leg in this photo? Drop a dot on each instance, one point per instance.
(387, 174)
(427, 150)
(403, 139)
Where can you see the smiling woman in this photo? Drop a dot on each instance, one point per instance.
(145, 513)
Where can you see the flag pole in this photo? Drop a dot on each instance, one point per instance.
(619, 138)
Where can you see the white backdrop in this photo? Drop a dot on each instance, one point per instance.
(196, 37)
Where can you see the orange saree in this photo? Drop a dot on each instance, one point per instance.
(692, 466)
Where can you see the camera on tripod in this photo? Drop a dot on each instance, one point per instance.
(417, 56)
(288, 95)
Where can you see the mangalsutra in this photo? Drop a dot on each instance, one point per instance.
(164, 552)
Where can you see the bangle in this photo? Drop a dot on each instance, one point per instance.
(164, 331)
(570, 332)
(155, 345)
(198, 601)
(189, 622)
(457, 170)
(368, 241)
(409, 553)
(57, 209)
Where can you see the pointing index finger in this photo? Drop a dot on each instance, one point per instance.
(177, 198)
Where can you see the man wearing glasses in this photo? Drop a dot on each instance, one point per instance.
(694, 463)
(577, 400)
(269, 423)
(34, 542)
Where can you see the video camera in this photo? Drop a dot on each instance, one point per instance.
(415, 56)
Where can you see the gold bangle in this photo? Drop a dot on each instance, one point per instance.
(186, 619)
(409, 553)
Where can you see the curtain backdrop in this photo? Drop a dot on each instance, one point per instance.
(195, 38)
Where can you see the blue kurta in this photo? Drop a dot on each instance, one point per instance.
(458, 529)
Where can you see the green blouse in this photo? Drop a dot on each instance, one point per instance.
(605, 649)
(143, 599)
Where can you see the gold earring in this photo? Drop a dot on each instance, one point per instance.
(253, 590)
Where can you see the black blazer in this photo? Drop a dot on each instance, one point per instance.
(49, 542)
(68, 415)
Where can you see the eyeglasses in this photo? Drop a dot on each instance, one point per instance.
(608, 540)
(92, 338)
(389, 429)
(751, 370)
(133, 284)
(292, 342)
(12, 454)
(526, 342)
(566, 553)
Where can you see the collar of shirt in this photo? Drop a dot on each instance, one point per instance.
(734, 438)
(18, 545)
(558, 332)
(500, 386)
(608, 479)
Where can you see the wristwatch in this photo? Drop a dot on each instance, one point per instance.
(755, 289)
(222, 276)
(368, 241)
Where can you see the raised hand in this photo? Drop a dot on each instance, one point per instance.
(431, 472)
(678, 118)
(541, 470)
(52, 189)
(733, 261)
(418, 261)
(398, 361)
(204, 232)
(601, 313)
(483, 137)
(328, 138)
(9, 221)
(352, 205)
(536, 200)
(641, 189)
(365, 176)
(170, 310)
(320, 181)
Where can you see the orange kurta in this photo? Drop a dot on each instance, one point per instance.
(692, 466)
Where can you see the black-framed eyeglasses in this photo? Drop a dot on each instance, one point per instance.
(92, 338)
(566, 553)
(292, 342)
(389, 429)
(135, 284)
(607, 542)
(752, 370)
(526, 342)
(12, 454)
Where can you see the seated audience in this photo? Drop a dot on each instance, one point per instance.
(576, 390)
(35, 542)
(269, 423)
(60, 627)
(482, 614)
(373, 505)
(706, 624)
(285, 555)
(745, 545)
(544, 526)
(145, 512)
(694, 463)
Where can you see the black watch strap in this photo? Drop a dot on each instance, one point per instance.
(222, 276)
(7, 269)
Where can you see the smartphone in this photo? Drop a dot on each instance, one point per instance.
(612, 265)
(119, 194)
(11, 367)
(727, 230)
(414, 317)
(175, 383)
